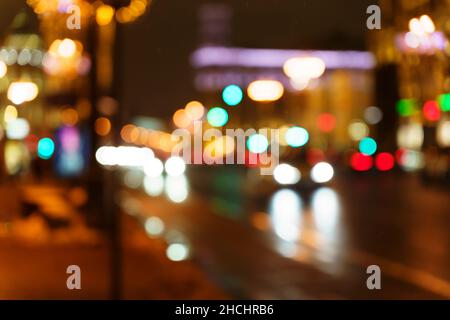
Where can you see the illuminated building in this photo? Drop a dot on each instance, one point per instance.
(335, 89)
(412, 52)
(21, 86)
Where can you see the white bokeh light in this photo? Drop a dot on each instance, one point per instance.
(177, 252)
(322, 172)
(286, 174)
(175, 166)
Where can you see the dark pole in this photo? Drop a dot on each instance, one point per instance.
(102, 181)
(112, 178)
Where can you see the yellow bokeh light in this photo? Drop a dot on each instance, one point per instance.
(104, 15)
(180, 119)
(102, 126)
(304, 68)
(10, 114)
(69, 117)
(67, 48)
(53, 49)
(138, 6)
(20, 92)
(3, 69)
(427, 24)
(265, 90)
(195, 110)
(124, 15)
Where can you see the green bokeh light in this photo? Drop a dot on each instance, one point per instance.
(217, 117)
(368, 146)
(297, 137)
(46, 148)
(257, 143)
(444, 102)
(407, 107)
(232, 95)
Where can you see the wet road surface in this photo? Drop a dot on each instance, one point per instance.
(318, 243)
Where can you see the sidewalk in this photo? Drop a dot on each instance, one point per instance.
(34, 258)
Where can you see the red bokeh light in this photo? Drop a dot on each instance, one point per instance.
(385, 161)
(361, 162)
(326, 122)
(314, 156)
(431, 111)
(31, 141)
(399, 154)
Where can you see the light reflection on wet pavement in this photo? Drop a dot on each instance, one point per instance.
(317, 243)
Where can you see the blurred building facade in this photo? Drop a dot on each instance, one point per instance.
(412, 52)
(326, 106)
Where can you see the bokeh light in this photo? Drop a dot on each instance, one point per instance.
(175, 166)
(385, 161)
(69, 116)
(176, 188)
(232, 95)
(427, 24)
(104, 15)
(297, 137)
(431, 111)
(20, 92)
(10, 114)
(286, 174)
(285, 213)
(17, 129)
(177, 252)
(3, 69)
(444, 102)
(194, 110)
(154, 226)
(358, 130)
(46, 148)
(443, 134)
(304, 68)
(123, 156)
(181, 119)
(154, 186)
(257, 143)
(322, 172)
(368, 146)
(154, 168)
(133, 178)
(326, 122)
(217, 117)
(373, 115)
(407, 107)
(361, 162)
(410, 136)
(265, 90)
(67, 48)
(411, 160)
(15, 156)
(326, 209)
(102, 126)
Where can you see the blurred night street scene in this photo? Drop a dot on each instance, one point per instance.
(224, 149)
